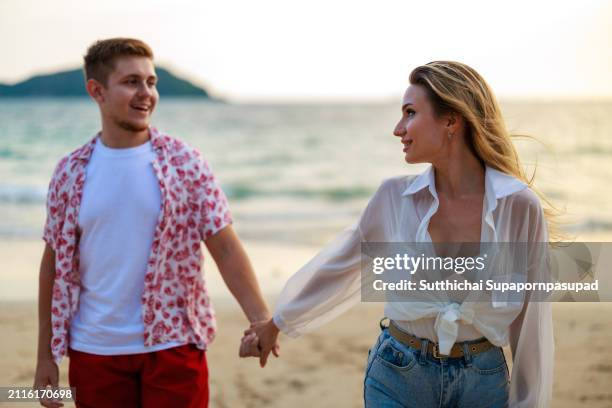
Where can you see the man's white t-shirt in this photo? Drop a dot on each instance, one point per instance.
(118, 215)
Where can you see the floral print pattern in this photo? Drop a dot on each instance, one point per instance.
(175, 302)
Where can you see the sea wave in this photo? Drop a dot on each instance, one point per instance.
(26, 194)
(243, 192)
(22, 194)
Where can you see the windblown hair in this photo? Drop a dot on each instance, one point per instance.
(455, 87)
(101, 56)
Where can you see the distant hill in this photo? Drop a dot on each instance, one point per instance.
(72, 83)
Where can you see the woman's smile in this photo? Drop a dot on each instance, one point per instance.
(406, 144)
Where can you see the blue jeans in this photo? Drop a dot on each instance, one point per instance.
(402, 376)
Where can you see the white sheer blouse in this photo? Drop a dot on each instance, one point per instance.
(400, 211)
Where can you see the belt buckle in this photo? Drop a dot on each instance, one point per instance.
(436, 352)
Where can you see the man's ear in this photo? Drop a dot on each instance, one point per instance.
(95, 90)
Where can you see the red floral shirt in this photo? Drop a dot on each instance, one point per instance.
(175, 302)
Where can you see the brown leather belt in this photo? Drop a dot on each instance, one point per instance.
(432, 348)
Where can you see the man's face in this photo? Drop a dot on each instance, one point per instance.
(130, 95)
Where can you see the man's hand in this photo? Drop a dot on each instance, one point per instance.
(266, 335)
(47, 373)
(249, 346)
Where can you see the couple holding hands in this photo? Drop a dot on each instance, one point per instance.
(121, 291)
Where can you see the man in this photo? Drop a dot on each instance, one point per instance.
(121, 291)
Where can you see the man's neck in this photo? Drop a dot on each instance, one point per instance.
(117, 138)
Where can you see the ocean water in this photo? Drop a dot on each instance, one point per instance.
(301, 173)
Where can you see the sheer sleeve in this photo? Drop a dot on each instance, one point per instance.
(330, 283)
(531, 333)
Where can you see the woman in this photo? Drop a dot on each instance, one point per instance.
(439, 353)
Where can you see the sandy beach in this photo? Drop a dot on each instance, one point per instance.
(324, 368)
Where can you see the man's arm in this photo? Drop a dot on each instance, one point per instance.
(47, 372)
(237, 272)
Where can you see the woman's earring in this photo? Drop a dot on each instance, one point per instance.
(450, 135)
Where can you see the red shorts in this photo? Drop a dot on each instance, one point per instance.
(175, 377)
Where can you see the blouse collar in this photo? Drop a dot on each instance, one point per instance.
(497, 185)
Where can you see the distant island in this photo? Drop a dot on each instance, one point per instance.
(72, 83)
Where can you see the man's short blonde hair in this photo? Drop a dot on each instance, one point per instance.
(100, 59)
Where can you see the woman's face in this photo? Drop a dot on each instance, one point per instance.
(424, 137)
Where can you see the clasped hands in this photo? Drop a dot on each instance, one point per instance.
(259, 340)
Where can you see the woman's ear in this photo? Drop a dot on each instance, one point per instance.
(454, 122)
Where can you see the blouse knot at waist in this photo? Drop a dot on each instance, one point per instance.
(447, 324)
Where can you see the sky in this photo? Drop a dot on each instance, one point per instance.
(285, 50)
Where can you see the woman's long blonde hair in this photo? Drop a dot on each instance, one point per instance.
(455, 87)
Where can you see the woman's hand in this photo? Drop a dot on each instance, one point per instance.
(259, 340)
